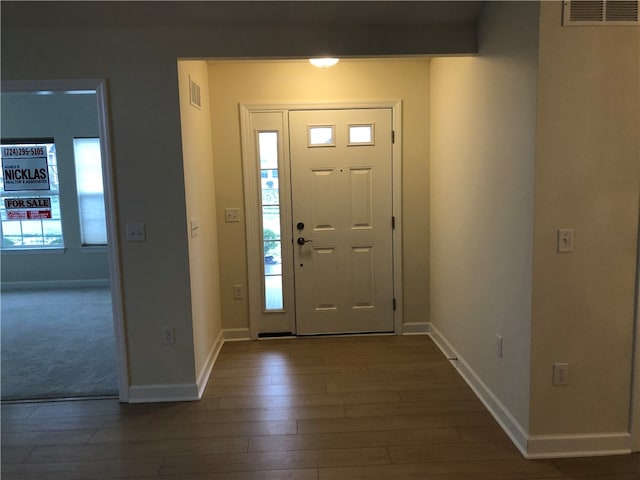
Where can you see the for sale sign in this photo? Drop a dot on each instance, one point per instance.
(24, 167)
(28, 208)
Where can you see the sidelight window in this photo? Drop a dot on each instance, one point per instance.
(270, 219)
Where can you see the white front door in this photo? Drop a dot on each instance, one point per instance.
(341, 180)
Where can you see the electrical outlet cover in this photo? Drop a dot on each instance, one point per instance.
(565, 240)
(168, 335)
(560, 374)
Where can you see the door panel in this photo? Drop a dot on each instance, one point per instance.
(323, 183)
(342, 193)
(361, 198)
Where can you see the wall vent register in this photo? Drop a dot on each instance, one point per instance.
(194, 94)
(601, 12)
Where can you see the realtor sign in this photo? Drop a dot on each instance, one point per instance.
(28, 208)
(25, 168)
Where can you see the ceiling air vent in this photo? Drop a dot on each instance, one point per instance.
(601, 12)
(194, 94)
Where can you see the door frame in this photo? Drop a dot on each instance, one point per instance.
(113, 246)
(251, 200)
(634, 417)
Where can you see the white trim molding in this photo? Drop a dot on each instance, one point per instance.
(205, 372)
(235, 334)
(496, 408)
(185, 392)
(578, 445)
(532, 446)
(188, 392)
(634, 418)
(416, 328)
(53, 284)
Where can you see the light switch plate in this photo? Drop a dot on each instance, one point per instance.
(136, 232)
(195, 226)
(231, 215)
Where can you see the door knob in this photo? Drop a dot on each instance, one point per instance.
(302, 241)
(300, 226)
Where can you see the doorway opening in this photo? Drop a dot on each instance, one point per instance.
(62, 331)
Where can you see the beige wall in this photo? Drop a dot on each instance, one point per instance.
(256, 82)
(201, 207)
(587, 178)
(482, 193)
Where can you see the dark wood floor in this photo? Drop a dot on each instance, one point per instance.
(381, 407)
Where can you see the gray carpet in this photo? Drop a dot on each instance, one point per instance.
(57, 344)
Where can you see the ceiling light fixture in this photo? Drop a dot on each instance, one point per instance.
(323, 62)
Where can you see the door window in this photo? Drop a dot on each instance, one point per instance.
(361, 135)
(321, 135)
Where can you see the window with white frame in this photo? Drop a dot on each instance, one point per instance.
(270, 216)
(90, 189)
(29, 186)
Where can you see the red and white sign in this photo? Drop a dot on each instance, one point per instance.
(29, 214)
(23, 208)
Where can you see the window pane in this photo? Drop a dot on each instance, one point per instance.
(51, 231)
(321, 135)
(11, 234)
(268, 148)
(273, 292)
(11, 228)
(93, 227)
(270, 187)
(32, 232)
(361, 134)
(272, 258)
(93, 224)
(53, 168)
(271, 223)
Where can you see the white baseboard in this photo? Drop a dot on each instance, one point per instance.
(205, 372)
(236, 334)
(186, 392)
(52, 284)
(579, 445)
(496, 408)
(415, 328)
(533, 446)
